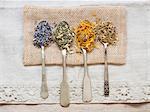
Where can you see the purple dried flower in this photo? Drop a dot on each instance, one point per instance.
(42, 35)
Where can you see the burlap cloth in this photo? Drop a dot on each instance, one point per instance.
(73, 15)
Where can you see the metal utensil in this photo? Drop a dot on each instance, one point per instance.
(106, 33)
(44, 88)
(42, 38)
(85, 40)
(64, 38)
(64, 86)
(106, 78)
(87, 92)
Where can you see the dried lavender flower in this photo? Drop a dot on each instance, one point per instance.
(42, 35)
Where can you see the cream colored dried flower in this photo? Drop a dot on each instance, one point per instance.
(106, 32)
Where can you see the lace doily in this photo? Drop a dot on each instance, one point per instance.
(120, 92)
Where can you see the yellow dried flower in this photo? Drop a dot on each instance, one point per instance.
(85, 36)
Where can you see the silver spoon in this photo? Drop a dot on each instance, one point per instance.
(64, 38)
(44, 87)
(106, 78)
(42, 38)
(107, 35)
(87, 90)
(84, 34)
(64, 86)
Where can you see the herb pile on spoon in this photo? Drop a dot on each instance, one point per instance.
(43, 38)
(42, 35)
(106, 33)
(64, 38)
(85, 36)
(85, 40)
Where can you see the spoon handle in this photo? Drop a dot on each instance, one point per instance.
(64, 87)
(44, 88)
(106, 79)
(87, 92)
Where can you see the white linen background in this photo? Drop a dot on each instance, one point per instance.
(13, 73)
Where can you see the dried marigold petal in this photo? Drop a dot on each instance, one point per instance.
(85, 36)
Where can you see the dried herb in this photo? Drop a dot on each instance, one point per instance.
(42, 35)
(63, 35)
(42, 38)
(106, 32)
(85, 36)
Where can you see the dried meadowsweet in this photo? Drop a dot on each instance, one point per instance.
(106, 32)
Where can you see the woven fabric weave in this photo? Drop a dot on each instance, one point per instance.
(73, 15)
